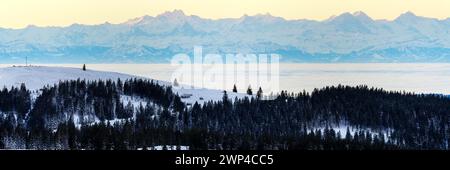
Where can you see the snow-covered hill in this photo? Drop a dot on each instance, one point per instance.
(349, 37)
(36, 77)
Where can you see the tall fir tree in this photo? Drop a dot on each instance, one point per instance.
(235, 89)
(259, 93)
(249, 90)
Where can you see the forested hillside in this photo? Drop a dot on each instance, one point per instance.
(140, 114)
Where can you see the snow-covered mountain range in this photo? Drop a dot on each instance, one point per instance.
(349, 37)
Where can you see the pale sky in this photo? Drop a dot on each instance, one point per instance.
(20, 13)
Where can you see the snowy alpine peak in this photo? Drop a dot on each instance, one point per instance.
(172, 15)
(140, 20)
(348, 17)
(357, 22)
(362, 16)
(175, 16)
(407, 17)
(31, 26)
(265, 18)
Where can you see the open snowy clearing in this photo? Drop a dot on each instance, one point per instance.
(36, 77)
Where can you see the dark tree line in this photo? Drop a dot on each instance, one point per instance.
(15, 100)
(82, 114)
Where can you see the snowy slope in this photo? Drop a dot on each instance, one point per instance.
(36, 77)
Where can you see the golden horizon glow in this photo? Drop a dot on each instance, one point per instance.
(21, 13)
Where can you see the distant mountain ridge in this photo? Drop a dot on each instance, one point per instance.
(349, 37)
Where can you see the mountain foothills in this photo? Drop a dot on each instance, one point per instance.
(137, 113)
(349, 37)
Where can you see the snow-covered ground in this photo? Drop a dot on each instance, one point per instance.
(36, 77)
(342, 129)
(168, 147)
